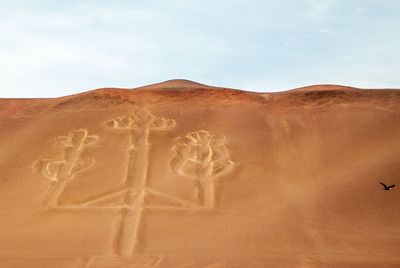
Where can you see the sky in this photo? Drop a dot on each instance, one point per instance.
(53, 48)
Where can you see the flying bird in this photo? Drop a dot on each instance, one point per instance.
(387, 188)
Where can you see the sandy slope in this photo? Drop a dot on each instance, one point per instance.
(179, 174)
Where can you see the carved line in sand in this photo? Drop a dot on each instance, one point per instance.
(64, 168)
(134, 261)
(124, 262)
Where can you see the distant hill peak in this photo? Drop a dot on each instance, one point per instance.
(175, 84)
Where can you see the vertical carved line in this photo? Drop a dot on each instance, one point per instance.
(135, 182)
(139, 127)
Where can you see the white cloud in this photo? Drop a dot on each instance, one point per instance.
(358, 11)
(318, 10)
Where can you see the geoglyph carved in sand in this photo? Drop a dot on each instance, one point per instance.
(63, 169)
(201, 157)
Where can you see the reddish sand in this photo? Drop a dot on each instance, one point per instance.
(180, 174)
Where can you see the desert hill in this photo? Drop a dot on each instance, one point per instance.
(180, 174)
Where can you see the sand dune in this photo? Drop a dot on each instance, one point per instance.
(180, 174)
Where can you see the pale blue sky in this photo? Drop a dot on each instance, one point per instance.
(55, 48)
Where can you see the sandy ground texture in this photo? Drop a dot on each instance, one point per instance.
(180, 174)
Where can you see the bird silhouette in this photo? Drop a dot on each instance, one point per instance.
(387, 188)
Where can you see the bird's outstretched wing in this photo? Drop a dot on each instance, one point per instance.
(391, 186)
(384, 185)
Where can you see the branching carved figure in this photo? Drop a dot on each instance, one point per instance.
(61, 170)
(201, 156)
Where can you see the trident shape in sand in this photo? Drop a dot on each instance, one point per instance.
(200, 156)
(139, 127)
(63, 169)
